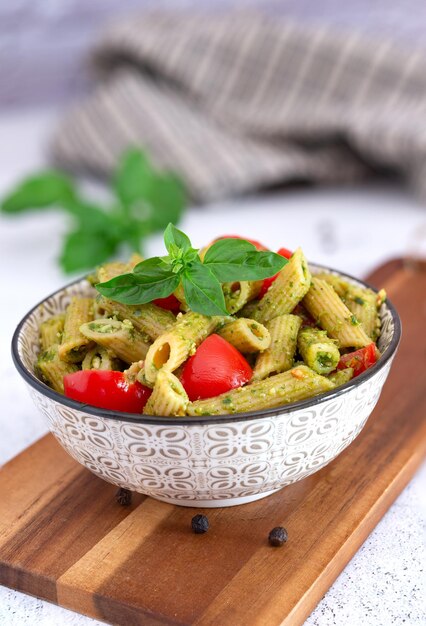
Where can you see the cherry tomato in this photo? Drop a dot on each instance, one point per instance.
(257, 244)
(360, 360)
(215, 368)
(106, 389)
(171, 303)
(285, 252)
(268, 281)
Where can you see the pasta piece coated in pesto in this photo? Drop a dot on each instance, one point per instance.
(340, 377)
(318, 350)
(110, 270)
(177, 344)
(291, 284)
(180, 295)
(246, 335)
(333, 315)
(51, 331)
(120, 338)
(363, 304)
(280, 355)
(148, 319)
(99, 358)
(168, 398)
(74, 344)
(339, 285)
(239, 293)
(51, 369)
(296, 384)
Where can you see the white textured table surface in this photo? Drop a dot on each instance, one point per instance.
(351, 229)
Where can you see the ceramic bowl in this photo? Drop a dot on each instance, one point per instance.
(206, 461)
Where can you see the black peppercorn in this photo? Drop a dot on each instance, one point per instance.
(200, 524)
(123, 497)
(278, 536)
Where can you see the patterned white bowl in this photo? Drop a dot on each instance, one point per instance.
(205, 461)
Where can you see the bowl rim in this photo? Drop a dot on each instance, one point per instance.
(137, 418)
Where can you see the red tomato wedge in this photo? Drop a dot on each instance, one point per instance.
(285, 252)
(268, 281)
(257, 244)
(171, 303)
(106, 389)
(360, 360)
(215, 368)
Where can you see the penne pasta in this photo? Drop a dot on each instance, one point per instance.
(246, 335)
(317, 350)
(290, 286)
(333, 315)
(110, 270)
(248, 309)
(148, 319)
(338, 283)
(239, 293)
(120, 338)
(98, 358)
(52, 369)
(279, 356)
(363, 304)
(168, 396)
(179, 294)
(340, 377)
(177, 344)
(51, 331)
(74, 344)
(296, 384)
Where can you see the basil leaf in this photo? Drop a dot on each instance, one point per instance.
(168, 198)
(203, 293)
(176, 241)
(237, 259)
(152, 270)
(259, 265)
(228, 250)
(83, 249)
(131, 178)
(146, 194)
(147, 201)
(225, 258)
(149, 280)
(45, 189)
(91, 217)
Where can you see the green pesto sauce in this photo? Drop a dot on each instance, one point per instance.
(98, 327)
(47, 356)
(324, 360)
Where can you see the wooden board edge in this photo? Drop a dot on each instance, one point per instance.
(384, 272)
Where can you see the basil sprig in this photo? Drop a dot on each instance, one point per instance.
(226, 260)
(143, 201)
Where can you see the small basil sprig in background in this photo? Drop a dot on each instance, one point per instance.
(145, 201)
(225, 260)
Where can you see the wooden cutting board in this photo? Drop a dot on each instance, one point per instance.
(64, 538)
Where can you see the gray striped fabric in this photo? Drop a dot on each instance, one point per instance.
(241, 101)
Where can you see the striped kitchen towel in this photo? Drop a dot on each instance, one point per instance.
(242, 101)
